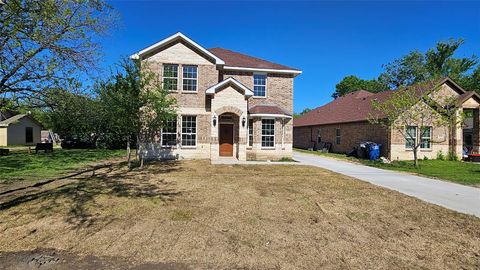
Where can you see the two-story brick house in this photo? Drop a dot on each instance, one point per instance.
(229, 104)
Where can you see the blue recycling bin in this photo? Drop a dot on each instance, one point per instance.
(373, 151)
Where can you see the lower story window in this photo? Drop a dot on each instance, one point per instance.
(28, 135)
(426, 138)
(189, 130)
(169, 133)
(268, 133)
(338, 136)
(250, 132)
(410, 137)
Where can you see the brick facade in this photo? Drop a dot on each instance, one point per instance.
(351, 135)
(227, 100)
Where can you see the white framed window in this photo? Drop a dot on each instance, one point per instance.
(319, 136)
(426, 137)
(189, 130)
(410, 137)
(338, 136)
(259, 85)
(250, 132)
(268, 133)
(169, 133)
(190, 76)
(170, 77)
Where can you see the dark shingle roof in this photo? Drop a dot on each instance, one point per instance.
(267, 109)
(236, 59)
(357, 106)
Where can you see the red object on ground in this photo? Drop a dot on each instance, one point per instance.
(474, 157)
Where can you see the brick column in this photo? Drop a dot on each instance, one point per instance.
(476, 130)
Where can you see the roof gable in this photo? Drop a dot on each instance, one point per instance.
(229, 82)
(14, 119)
(173, 39)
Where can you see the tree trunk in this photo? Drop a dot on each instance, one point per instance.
(415, 157)
(129, 160)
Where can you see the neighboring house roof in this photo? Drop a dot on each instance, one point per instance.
(235, 60)
(229, 81)
(357, 106)
(467, 95)
(173, 39)
(15, 118)
(266, 110)
(226, 59)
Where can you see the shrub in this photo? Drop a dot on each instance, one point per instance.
(440, 155)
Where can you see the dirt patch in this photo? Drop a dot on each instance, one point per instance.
(241, 217)
(59, 260)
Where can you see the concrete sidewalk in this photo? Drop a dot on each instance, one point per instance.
(457, 197)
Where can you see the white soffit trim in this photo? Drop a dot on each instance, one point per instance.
(285, 71)
(171, 38)
(270, 115)
(212, 90)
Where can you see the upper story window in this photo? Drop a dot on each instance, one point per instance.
(259, 85)
(170, 77)
(190, 78)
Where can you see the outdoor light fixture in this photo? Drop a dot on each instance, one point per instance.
(243, 121)
(214, 120)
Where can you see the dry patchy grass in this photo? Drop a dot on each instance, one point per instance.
(242, 217)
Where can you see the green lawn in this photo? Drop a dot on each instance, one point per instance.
(20, 165)
(466, 173)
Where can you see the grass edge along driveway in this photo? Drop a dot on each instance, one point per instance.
(466, 173)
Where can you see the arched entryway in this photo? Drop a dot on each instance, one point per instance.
(227, 134)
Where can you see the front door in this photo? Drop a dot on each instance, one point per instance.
(226, 140)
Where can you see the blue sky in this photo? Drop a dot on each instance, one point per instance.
(327, 40)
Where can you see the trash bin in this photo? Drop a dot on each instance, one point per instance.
(373, 150)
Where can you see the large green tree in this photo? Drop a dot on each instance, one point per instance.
(48, 44)
(134, 104)
(353, 83)
(416, 67)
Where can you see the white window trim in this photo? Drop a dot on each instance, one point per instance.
(190, 91)
(196, 133)
(178, 76)
(430, 138)
(274, 135)
(176, 137)
(408, 138)
(266, 84)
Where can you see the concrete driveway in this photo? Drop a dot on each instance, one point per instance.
(453, 196)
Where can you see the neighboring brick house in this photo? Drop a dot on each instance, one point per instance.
(229, 104)
(344, 123)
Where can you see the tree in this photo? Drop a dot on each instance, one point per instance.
(73, 115)
(134, 104)
(411, 115)
(407, 70)
(353, 83)
(417, 67)
(48, 44)
(306, 110)
(437, 62)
